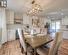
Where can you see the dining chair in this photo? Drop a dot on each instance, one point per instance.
(37, 30)
(44, 31)
(22, 40)
(53, 50)
(23, 44)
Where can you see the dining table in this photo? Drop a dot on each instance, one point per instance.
(37, 40)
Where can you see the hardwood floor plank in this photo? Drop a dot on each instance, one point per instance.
(13, 48)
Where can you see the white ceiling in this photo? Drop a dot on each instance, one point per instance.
(48, 6)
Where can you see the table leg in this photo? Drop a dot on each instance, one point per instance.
(34, 51)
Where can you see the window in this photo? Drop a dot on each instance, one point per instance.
(55, 26)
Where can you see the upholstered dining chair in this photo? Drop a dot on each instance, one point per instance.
(54, 47)
(22, 40)
(23, 44)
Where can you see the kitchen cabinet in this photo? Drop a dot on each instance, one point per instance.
(65, 34)
(65, 21)
(11, 34)
(11, 30)
(10, 16)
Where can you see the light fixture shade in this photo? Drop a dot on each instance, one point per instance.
(3, 3)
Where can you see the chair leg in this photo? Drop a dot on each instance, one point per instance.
(57, 53)
(34, 52)
(26, 53)
(21, 48)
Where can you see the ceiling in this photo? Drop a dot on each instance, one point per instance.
(50, 7)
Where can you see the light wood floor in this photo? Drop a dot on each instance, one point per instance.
(13, 48)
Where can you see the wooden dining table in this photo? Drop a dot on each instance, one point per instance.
(37, 40)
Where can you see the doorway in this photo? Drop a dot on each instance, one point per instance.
(55, 26)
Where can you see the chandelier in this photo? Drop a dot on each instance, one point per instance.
(36, 8)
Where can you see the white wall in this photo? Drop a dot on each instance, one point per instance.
(27, 20)
(3, 25)
(0, 25)
(0, 19)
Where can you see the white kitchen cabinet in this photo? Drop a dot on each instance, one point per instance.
(11, 34)
(65, 34)
(65, 21)
(10, 16)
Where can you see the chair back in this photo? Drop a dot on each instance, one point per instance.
(56, 44)
(22, 40)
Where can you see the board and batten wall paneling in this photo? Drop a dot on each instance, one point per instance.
(0, 27)
(3, 23)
